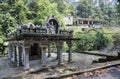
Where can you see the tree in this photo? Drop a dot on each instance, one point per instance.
(17, 12)
(39, 10)
(6, 20)
(85, 8)
(64, 7)
(99, 10)
(118, 10)
(109, 12)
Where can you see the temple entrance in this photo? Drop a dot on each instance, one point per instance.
(35, 52)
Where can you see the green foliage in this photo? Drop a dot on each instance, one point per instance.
(103, 11)
(12, 13)
(65, 47)
(116, 39)
(85, 8)
(90, 41)
(64, 7)
(6, 23)
(39, 10)
(17, 12)
(100, 41)
(86, 42)
(118, 11)
(2, 49)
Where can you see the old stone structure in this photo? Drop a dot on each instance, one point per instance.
(88, 21)
(30, 42)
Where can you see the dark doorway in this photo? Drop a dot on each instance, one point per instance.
(35, 52)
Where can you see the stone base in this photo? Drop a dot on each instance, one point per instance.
(61, 63)
(26, 69)
(44, 65)
(49, 56)
(70, 61)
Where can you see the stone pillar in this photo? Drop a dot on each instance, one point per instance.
(59, 52)
(82, 22)
(69, 51)
(78, 22)
(20, 56)
(15, 54)
(92, 23)
(43, 56)
(49, 53)
(39, 51)
(88, 22)
(70, 54)
(26, 57)
(60, 56)
(12, 47)
(9, 51)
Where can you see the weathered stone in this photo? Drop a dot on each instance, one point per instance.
(20, 56)
(29, 34)
(26, 57)
(59, 52)
(49, 52)
(44, 58)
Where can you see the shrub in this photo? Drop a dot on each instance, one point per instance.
(90, 41)
(116, 39)
(100, 41)
(86, 42)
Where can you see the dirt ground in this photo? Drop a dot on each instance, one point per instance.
(113, 73)
(80, 62)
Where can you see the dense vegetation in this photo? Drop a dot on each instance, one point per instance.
(90, 41)
(99, 10)
(118, 9)
(16, 12)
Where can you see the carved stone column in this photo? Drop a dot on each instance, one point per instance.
(69, 51)
(59, 52)
(15, 53)
(49, 52)
(39, 51)
(43, 55)
(12, 47)
(88, 22)
(26, 50)
(9, 51)
(20, 56)
(82, 22)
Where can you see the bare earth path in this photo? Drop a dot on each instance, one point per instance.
(80, 62)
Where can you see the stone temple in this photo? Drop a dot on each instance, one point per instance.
(30, 42)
